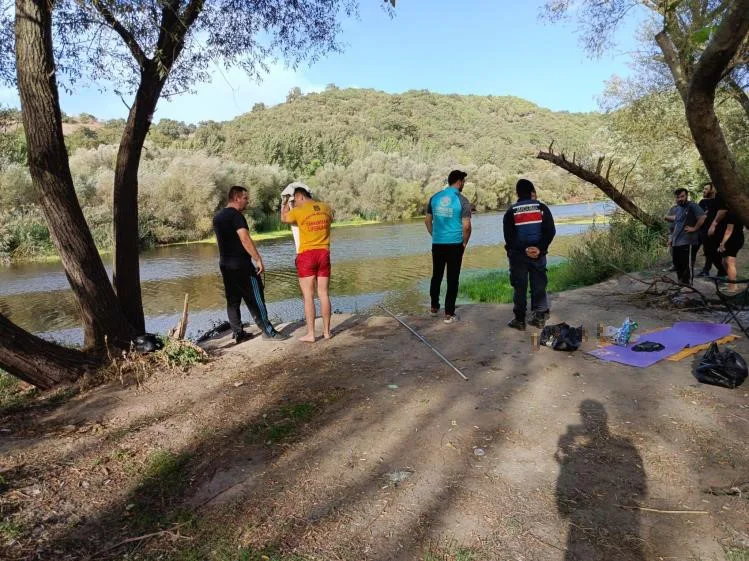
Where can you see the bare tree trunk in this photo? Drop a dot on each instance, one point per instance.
(126, 272)
(50, 173)
(37, 361)
(153, 75)
(699, 102)
(603, 184)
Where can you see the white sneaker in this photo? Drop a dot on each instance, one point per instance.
(450, 319)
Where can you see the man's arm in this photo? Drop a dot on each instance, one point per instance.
(428, 217)
(697, 225)
(508, 228)
(466, 231)
(249, 247)
(719, 216)
(700, 216)
(548, 230)
(287, 214)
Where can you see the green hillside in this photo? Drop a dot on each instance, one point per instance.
(370, 154)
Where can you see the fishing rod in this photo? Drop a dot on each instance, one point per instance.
(427, 343)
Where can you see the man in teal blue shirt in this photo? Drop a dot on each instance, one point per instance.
(448, 221)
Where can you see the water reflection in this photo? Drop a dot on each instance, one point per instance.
(370, 263)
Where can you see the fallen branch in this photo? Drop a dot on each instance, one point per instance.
(139, 539)
(603, 183)
(658, 510)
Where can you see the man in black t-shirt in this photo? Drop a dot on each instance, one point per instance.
(241, 276)
(709, 204)
(727, 230)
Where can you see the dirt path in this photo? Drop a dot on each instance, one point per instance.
(368, 447)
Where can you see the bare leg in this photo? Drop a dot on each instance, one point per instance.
(307, 285)
(730, 264)
(322, 292)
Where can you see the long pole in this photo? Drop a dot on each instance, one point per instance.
(427, 343)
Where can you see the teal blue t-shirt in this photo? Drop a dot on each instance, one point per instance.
(448, 209)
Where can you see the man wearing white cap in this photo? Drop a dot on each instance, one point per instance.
(313, 255)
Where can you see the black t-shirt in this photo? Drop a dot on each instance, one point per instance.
(710, 206)
(225, 224)
(730, 218)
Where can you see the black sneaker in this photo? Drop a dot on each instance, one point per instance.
(703, 274)
(539, 320)
(275, 336)
(517, 324)
(240, 336)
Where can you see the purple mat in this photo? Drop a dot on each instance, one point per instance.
(674, 339)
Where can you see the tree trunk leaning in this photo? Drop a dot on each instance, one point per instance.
(608, 188)
(50, 172)
(39, 362)
(126, 267)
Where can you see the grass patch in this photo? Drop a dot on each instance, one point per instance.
(449, 551)
(10, 530)
(495, 288)
(228, 551)
(737, 554)
(163, 478)
(282, 423)
(626, 246)
(12, 397)
(181, 354)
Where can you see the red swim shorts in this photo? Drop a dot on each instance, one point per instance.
(313, 263)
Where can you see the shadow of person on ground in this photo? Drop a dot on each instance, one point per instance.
(600, 474)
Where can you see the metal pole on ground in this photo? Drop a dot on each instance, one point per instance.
(427, 343)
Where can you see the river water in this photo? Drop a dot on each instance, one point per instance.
(382, 263)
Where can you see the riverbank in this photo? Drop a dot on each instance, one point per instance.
(367, 446)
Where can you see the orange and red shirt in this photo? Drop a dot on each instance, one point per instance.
(314, 219)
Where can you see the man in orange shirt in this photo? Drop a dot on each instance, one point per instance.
(313, 257)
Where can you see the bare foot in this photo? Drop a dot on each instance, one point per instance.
(308, 338)
(327, 335)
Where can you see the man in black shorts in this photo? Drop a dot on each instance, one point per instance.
(728, 231)
(241, 277)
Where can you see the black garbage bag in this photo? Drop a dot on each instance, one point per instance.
(147, 343)
(562, 337)
(725, 368)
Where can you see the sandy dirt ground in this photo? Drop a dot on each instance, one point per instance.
(367, 446)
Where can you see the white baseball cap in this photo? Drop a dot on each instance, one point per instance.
(289, 189)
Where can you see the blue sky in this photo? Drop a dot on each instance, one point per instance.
(481, 47)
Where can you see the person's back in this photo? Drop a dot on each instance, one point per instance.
(529, 229)
(448, 221)
(314, 219)
(232, 254)
(448, 208)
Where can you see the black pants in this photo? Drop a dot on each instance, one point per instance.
(244, 284)
(713, 258)
(522, 270)
(684, 256)
(450, 255)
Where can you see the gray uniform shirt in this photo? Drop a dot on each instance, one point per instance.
(686, 215)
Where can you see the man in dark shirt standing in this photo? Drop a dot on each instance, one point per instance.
(529, 230)
(241, 277)
(709, 204)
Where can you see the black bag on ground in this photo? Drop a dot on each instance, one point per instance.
(562, 337)
(147, 343)
(725, 368)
